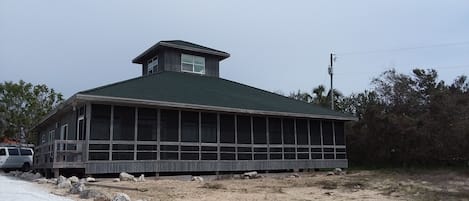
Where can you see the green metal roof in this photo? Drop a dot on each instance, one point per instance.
(187, 88)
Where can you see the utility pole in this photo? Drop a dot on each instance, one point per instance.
(331, 72)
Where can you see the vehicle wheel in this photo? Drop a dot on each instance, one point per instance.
(26, 167)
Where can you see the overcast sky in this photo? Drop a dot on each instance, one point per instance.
(274, 45)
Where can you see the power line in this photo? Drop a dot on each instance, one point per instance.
(404, 48)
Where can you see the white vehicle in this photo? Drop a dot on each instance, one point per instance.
(16, 158)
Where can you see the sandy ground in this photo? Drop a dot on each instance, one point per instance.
(14, 189)
(355, 185)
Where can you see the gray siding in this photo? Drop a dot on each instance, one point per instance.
(169, 59)
(201, 166)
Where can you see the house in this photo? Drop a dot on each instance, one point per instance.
(180, 116)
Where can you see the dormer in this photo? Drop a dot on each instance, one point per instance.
(181, 56)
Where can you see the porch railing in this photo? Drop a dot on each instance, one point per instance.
(60, 154)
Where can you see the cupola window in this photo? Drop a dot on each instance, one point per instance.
(152, 65)
(192, 64)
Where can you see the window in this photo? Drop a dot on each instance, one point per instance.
(43, 138)
(209, 128)
(259, 130)
(244, 129)
(227, 128)
(327, 135)
(275, 131)
(189, 127)
(288, 131)
(122, 152)
(51, 135)
(26, 152)
(13, 152)
(169, 125)
(152, 65)
(147, 124)
(100, 122)
(192, 64)
(302, 132)
(3, 152)
(64, 132)
(339, 133)
(315, 132)
(99, 156)
(124, 123)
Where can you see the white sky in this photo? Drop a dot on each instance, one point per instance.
(274, 45)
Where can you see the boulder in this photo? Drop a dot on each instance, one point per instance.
(74, 179)
(123, 176)
(29, 176)
(61, 179)
(52, 181)
(330, 173)
(337, 171)
(250, 175)
(141, 178)
(77, 188)
(198, 179)
(121, 197)
(91, 193)
(36, 176)
(41, 180)
(116, 180)
(65, 184)
(90, 179)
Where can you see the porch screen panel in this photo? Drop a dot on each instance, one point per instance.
(147, 124)
(288, 131)
(209, 128)
(124, 123)
(227, 128)
(302, 132)
(100, 122)
(244, 129)
(327, 134)
(275, 131)
(259, 130)
(169, 125)
(189, 127)
(315, 132)
(339, 133)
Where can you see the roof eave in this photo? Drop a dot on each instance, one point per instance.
(87, 97)
(138, 59)
(65, 104)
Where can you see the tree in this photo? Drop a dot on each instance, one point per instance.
(23, 105)
(410, 120)
(318, 97)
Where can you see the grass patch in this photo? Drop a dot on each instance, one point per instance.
(213, 186)
(329, 185)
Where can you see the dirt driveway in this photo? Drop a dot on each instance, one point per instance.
(355, 185)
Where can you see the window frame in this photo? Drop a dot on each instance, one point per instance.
(51, 136)
(193, 64)
(64, 132)
(151, 64)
